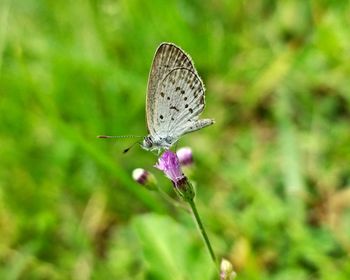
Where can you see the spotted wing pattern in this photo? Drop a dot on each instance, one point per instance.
(175, 96)
(179, 103)
(167, 58)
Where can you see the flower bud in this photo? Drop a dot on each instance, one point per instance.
(184, 189)
(185, 156)
(226, 270)
(145, 178)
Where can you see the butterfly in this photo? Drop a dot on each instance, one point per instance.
(175, 99)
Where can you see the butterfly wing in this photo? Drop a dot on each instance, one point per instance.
(179, 101)
(167, 58)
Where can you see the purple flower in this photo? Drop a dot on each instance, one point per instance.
(170, 165)
(185, 156)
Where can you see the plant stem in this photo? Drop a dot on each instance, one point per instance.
(201, 228)
(171, 200)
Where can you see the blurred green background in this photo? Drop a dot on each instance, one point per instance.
(272, 174)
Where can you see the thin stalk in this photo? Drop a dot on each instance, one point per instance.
(172, 201)
(201, 228)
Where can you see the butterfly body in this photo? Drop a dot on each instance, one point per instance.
(151, 143)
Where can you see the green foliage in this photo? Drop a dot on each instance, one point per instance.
(175, 251)
(272, 174)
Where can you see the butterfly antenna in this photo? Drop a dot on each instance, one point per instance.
(122, 136)
(127, 149)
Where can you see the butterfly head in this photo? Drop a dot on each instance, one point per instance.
(147, 143)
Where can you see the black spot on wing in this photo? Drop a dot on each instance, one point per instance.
(173, 107)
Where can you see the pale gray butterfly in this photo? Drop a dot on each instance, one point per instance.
(175, 99)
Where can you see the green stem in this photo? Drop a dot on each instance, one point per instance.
(201, 228)
(171, 200)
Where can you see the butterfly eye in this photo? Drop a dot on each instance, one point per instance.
(147, 142)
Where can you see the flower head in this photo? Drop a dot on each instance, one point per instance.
(170, 165)
(185, 156)
(144, 178)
